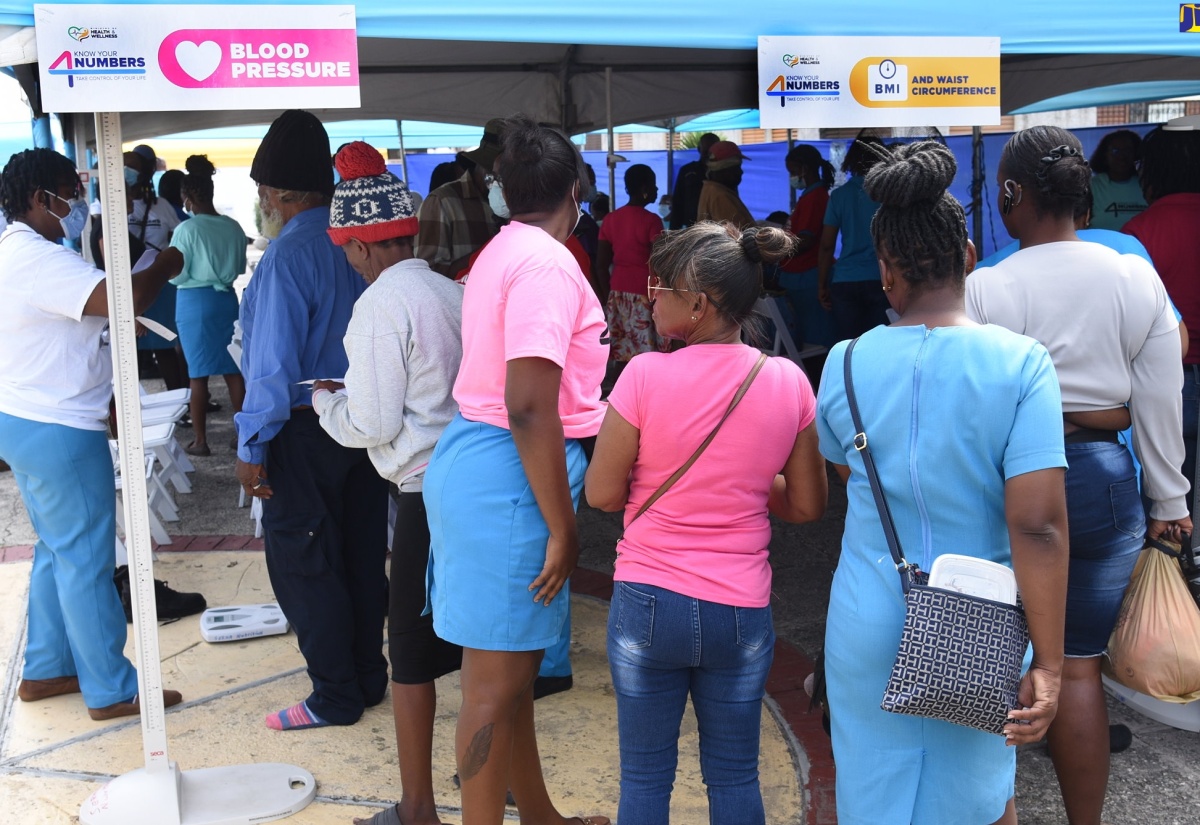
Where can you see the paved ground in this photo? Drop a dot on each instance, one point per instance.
(1157, 781)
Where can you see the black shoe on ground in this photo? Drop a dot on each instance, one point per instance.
(213, 406)
(171, 604)
(544, 686)
(1120, 737)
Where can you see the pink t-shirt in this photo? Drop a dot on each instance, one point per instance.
(707, 536)
(526, 298)
(630, 231)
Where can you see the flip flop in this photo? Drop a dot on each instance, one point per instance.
(591, 820)
(390, 816)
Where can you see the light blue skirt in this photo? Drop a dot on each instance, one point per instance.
(488, 541)
(205, 319)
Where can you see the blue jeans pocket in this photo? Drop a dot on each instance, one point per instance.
(1128, 515)
(754, 627)
(635, 617)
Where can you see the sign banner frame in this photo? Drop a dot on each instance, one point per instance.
(854, 82)
(126, 58)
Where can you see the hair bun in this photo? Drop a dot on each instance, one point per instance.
(200, 166)
(359, 160)
(911, 174)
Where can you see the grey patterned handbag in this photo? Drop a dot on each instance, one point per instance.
(960, 656)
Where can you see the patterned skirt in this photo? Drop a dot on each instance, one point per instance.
(631, 327)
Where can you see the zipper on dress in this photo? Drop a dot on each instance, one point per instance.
(923, 514)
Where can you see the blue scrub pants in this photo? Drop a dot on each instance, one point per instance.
(76, 626)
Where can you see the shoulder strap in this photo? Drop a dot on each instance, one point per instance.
(678, 474)
(860, 443)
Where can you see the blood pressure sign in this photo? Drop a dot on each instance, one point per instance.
(878, 81)
(114, 58)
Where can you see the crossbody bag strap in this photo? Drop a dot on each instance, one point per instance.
(678, 474)
(860, 444)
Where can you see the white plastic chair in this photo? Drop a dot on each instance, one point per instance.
(160, 440)
(163, 414)
(158, 500)
(167, 397)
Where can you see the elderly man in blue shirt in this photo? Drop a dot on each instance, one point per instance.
(324, 506)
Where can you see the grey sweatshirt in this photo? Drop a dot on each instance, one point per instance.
(404, 343)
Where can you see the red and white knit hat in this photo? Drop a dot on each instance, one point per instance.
(370, 203)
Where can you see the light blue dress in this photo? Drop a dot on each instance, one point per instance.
(950, 413)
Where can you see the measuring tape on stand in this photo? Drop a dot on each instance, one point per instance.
(129, 414)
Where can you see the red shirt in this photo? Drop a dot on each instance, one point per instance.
(630, 231)
(1168, 231)
(808, 218)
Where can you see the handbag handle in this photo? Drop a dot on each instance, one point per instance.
(907, 571)
(678, 474)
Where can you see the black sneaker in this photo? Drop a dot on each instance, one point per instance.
(171, 604)
(544, 686)
(1120, 737)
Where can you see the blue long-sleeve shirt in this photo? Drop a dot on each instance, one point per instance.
(294, 315)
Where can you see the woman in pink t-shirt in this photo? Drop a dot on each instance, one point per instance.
(506, 476)
(691, 606)
(622, 265)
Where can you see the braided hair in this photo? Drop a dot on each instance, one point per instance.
(803, 154)
(919, 228)
(1170, 163)
(197, 185)
(1048, 162)
(723, 262)
(30, 171)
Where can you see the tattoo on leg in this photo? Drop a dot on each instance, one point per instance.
(477, 752)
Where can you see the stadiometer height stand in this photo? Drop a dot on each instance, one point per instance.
(160, 793)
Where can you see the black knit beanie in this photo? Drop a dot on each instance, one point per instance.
(294, 154)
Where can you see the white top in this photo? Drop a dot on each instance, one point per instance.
(159, 225)
(404, 343)
(55, 365)
(1108, 325)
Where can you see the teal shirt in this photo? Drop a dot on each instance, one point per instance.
(851, 211)
(214, 252)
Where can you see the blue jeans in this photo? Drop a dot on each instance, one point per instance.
(661, 647)
(76, 627)
(1106, 526)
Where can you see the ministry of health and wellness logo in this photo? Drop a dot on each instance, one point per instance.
(1189, 17)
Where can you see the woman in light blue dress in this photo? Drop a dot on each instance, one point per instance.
(964, 422)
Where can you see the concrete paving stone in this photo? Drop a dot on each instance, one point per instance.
(229, 687)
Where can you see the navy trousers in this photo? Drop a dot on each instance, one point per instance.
(325, 530)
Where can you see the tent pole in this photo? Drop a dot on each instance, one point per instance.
(612, 172)
(791, 189)
(670, 155)
(403, 154)
(977, 173)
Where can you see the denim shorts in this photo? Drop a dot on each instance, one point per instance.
(1107, 531)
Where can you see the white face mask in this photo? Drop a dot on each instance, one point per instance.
(796, 182)
(664, 210)
(496, 200)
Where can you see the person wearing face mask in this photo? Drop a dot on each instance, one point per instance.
(151, 222)
(55, 386)
(458, 218)
(206, 306)
(812, 176)
(404, 347)
(324, 506)
(719, 199)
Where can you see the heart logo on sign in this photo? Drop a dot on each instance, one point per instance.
(77, 33)
(790, 60)
(199, 60)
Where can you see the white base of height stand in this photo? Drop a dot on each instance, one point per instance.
(235, 795)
